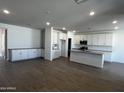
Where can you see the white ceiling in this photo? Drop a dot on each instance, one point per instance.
(62, 13)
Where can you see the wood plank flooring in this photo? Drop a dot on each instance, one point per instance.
(60, 75)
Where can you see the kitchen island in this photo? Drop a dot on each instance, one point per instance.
(92, 58)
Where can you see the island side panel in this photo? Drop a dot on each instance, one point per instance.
(96, 60)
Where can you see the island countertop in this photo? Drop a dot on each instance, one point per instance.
(88, 51)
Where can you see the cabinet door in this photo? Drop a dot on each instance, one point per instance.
(89, 39)
(109, 38)
(76, 39)
(34, 53)
(102, 39)
(55, 37)
(30, 54)
(42, 52)
(24, 54)
(56, 54)
(39, 53)
(61, 35)
(84, 37)
(16, 55)
(95, 39)
(64, 36)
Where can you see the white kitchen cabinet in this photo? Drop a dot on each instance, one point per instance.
(84, 37)
(89, 39)
(109, 39)
(35, 53)
(39, 52)
(62, 36)
(30, 54)
(76, 39)
(55, 37)
(24, 54)
(95, 39)
(17, 55)
(42, 52)
(102, 39)
(56, 54)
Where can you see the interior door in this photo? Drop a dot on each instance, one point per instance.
(63, 48)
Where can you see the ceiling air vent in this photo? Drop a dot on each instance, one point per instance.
(80, 1)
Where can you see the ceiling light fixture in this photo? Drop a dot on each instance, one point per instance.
(47, 23)
(92, 13)
(63, 28)
(116, 28)
(80, 1)
(6, 11)
(114, 22)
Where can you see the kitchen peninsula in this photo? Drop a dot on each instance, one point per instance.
(92, 58)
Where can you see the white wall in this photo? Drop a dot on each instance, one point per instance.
(22, 37)
(118, 47)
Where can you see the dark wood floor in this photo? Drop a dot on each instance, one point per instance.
(60, 75)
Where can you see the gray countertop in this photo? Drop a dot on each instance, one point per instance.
(88, 51)
(110, 51)
(23, 48)
(101, 50)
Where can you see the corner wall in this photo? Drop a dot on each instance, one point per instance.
(118, 47)
(22, 37)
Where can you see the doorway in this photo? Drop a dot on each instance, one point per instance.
(3, 44)
(69, 46)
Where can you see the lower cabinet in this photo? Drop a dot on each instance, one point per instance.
(56, 54)
(24, 54)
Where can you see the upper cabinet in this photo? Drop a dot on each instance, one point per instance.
(76, 39)
(101, 39)
(55, 37)
(90, 39)
(63, 36)
(95, 39)
(109, 39)
(83, 37)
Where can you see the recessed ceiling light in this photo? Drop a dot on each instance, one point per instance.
(47, 23)
(6, 11)
(80, 1)
(114, 22)
(116, 28)
(74, 31)
(63, 28)
(92, 13)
